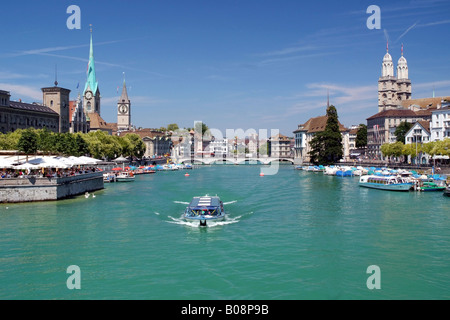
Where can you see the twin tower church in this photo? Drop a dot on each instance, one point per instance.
(393, 89)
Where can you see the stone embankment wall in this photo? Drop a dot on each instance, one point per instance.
(44, 189)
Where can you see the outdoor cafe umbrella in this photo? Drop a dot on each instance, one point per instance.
(26, 166)
(88, 160)
(120, 159)
(49, 162)
(5, 164)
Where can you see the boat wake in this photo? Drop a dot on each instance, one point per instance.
(226, 203)
(210, 224)
(196, 224)
(182, 202)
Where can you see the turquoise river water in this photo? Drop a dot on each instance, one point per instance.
(293, 235)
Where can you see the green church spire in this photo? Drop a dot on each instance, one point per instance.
(91, 78)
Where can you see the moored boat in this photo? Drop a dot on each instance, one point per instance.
(125, 176)
(430, 186)
(203, 209)
(390, 183)
(109, 177)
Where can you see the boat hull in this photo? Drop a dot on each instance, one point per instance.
(432, 189)
(205, 218)
(392, 187)
(124, 179)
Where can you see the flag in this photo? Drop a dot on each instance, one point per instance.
(78, 85)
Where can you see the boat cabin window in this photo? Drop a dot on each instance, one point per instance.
(203, 212)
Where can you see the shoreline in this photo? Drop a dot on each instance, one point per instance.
(35, 189)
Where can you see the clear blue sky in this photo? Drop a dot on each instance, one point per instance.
(231, 63)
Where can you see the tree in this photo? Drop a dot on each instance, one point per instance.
(263, 149)
(317, 148)
(361, 136)
(45, 140)
(137, 145)
(125, 145)
(410, 150)
(401, 130)
(102, 145)
(326, 147)
(28, 142)
(395, 149)
(172, 127)
(386, 149)
(10, 140)
(204, 128)
(82, 145)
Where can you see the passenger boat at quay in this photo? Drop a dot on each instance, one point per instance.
(390, 183)
(205, 209)
(125, 176)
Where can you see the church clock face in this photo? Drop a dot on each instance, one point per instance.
(123, 108)
(88, 95)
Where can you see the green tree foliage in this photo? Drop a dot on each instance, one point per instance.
(10, 140)
(326, 146)
(401, 130)
(28, 142)
(97, 144)
(82, 145)
(103, 146)
(172, 127)
(45, 140)
(317, 149)
(393, 149)
(411, 150)
(361, 136)
(137, 146)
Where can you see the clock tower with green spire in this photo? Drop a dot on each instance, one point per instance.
(91, 93)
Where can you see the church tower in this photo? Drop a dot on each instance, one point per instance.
(387, 84)
(123, 110)
(403, 83)
(91, 93)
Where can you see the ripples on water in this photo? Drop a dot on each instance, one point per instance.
(294, 235)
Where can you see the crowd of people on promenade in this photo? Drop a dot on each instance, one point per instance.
(46, 173)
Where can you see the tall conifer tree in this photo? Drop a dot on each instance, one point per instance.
(326, 146)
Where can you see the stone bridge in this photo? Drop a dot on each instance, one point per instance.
(263, 161)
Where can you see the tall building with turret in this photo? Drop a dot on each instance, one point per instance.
(57, 99)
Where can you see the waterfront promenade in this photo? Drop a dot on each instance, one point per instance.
(47, 178)
(35, 188)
